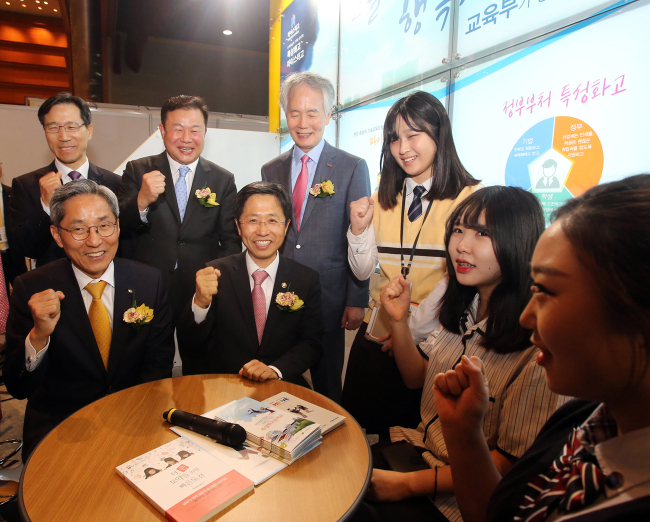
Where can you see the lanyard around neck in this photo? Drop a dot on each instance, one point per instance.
(407, 269)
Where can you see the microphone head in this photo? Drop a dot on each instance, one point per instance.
(235, 435)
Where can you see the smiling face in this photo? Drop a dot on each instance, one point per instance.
(472, 255)
(414, 151)
(583, 354)
(92, 255)
(262, 240)
(307, 117)
(68, 147)
(184, 134)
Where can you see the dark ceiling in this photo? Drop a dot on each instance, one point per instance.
(201, 21)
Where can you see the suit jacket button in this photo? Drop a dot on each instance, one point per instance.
(297, 246)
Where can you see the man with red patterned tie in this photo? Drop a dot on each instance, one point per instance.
(256, 313)
(66, 120)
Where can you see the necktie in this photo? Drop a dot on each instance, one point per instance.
(74, 175)
(99, 320)
(574, 481)
(299, 191)
(181, 191)
(4, 300)
(415, 210)
(259, 303)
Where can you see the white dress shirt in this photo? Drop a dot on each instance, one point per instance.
(267, 287)
(362, 249)
(65, 170)
(33, 359)
(174, 167)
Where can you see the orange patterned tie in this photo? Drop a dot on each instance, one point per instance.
(99, 320)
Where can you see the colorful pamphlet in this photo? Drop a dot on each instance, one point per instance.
(326, 418)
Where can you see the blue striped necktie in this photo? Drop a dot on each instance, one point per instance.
(181, 191)
(415, 210)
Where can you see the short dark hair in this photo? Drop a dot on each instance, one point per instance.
(514, 220)
(81, 187)
(609, 229)
(184, 102)
(265, 188)
(65, 97)
(422, 112)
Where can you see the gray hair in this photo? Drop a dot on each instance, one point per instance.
(313, 80)
(81, 187)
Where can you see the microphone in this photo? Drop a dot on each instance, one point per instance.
(226, 433)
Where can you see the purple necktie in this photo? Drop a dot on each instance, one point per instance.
(259, 302)
(74, 175)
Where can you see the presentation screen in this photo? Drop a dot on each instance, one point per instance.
(387, 42)
(361, 129)
(563, 114)
(486, 24)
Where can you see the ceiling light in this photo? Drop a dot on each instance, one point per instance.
(40, 7)
(227, 32)
(7, 3)
(56, 10)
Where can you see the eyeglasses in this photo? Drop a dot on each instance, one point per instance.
(81, 232)
(254, 223)
(69, 127)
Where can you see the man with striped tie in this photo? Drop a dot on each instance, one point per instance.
(66, 120)
(174, 230)
(71, 337)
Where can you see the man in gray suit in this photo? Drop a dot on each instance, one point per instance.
(317, 235)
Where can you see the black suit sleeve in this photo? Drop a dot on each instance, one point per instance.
(31, 225)
(307, 349)
(193, 337)
(128, 198)
(228, 236)
(20, 383)
(159, 348)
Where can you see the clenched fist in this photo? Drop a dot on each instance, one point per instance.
(153, 184)
(361, 214)
(207, 281)
(46, 311)
(48, 184)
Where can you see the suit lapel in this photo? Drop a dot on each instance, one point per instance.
(274, 314)
(324, 171)
(285, 171)
(76, 315)
(94, 175)
(242, 285)
(121, 330)
(162, 164)
(200, 180)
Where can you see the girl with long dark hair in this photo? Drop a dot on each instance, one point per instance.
(402, 228)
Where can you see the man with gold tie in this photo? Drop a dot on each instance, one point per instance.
(86, 326)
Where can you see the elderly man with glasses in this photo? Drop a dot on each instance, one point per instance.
(256, 313)
(66, 120)
(86, 326)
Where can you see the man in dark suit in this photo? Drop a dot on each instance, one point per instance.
(317, 236)
(174, 231)
(13, 261)
(69, 341)
(256, 313)
(66, 120)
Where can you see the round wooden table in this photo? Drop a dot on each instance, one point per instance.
(71, 474)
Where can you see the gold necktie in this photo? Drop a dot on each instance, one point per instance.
(99, 321)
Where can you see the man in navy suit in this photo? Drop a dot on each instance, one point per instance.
(256, 313)
(69, 341)
(317, 235)
(174, 231)
(66, 120)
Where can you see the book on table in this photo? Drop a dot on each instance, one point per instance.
(326, 418)
(184, 482)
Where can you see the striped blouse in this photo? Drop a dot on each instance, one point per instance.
(520, 402)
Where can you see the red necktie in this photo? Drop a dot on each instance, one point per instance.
(4, 301)
(259, 303)
(299, 191)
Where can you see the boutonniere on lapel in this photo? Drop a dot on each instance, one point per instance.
(206, 197)
(288, 301)
(138, 316)
(322, 189)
